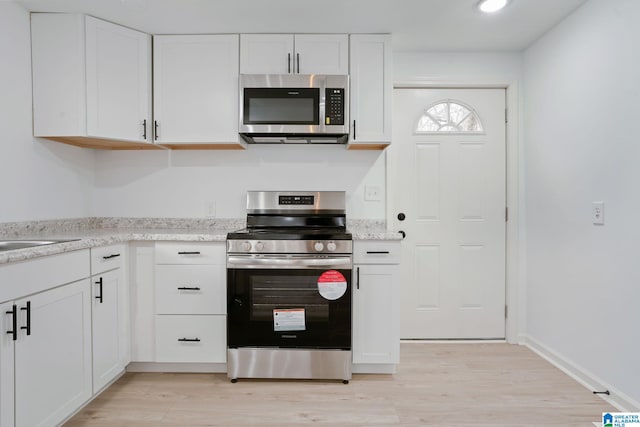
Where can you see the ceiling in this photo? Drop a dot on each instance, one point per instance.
(416, 25)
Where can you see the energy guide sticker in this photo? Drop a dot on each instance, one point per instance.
(332, 285)
(288, 319)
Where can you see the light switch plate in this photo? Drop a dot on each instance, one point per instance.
(597, 213)
(372, 193)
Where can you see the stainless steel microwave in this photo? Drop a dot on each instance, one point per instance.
(294, 108)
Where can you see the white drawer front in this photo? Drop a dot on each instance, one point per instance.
(376, 252)
(195, 339)
(190, 253)
(190, 289)
(105, 258)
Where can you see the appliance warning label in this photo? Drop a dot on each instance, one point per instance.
(288, 319)
(332, 285)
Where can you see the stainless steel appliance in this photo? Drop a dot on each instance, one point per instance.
(289, 288)
(294, 108)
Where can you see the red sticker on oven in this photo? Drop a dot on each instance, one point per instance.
(332, 285)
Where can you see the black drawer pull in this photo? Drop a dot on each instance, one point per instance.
(377, 252)
(189, 339)
(189, 253)
(111, 256)
(187, 288)
(27, 308)
(14, 322)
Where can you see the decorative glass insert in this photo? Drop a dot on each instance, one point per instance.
(449, 116)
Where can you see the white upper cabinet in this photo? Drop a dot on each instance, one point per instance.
(371, 90)
(196, 91)
(294, 54)
(91, 82)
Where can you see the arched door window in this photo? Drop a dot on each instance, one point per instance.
(449, 116)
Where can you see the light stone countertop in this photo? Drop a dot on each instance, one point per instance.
(95, 232)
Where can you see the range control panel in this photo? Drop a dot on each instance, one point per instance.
(334, 109)
(296, 200)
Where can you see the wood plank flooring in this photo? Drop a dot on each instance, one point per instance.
(478, 384)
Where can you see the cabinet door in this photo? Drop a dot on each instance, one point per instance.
(6, 364)
(371, 90)
(53, 362)
(266, 54)
(196, 89)
(118, 82)
(107, 319)
(376, 336)
(321, 54)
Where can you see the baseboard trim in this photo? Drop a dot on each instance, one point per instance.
(590, 381)
(177, 367)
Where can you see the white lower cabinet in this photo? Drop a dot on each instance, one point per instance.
(190, 302)
(110, 320)
(51, 355)
(376, 295)
(191, 338)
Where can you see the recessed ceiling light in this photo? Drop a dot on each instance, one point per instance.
(490, 6)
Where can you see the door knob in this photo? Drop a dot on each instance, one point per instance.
(403, 234)
(401, 216)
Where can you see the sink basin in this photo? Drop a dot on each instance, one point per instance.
(8, 245)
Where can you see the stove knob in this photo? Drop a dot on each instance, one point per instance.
(331, 246)
(246, 246)
(259, 246)
(318, 246)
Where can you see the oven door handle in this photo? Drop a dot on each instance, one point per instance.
(278, 261)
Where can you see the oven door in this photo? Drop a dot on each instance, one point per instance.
(272, 303)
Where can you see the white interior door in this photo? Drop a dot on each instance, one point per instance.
(449, 182)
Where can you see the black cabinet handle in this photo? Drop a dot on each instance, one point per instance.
(144, 129)
(189, 339)
(155, 130)
(357, 277)
(354, 129)
(298, 60)
(186, 288)
(14, 322)
(189, 253)
(377, 252)
(27, 308)
(99, 297)
(289, 63)
(111, 256)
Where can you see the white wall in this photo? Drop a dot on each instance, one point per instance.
(38, 179)
(182, 183)
(582, 104)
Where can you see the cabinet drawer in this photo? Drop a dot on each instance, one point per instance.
(191, 338)
(107, 258)
(190, 289)
(376, 252)
(190, 253)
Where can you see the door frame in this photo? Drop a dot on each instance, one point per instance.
(514, 248)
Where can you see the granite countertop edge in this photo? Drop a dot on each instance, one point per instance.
(91, 238)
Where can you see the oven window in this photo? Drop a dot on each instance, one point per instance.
(271, 292)
(281, 106)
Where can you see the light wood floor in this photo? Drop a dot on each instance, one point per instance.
(484, 384)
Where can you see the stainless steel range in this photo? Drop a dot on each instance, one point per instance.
(289, 288)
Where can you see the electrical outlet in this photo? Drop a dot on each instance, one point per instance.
(372, 193)
(210, 209)
(597, 213)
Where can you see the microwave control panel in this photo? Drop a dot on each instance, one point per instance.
(334, 112)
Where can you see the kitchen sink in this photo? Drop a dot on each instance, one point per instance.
(8, 245)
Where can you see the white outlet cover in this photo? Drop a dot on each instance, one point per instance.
(597, 213)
